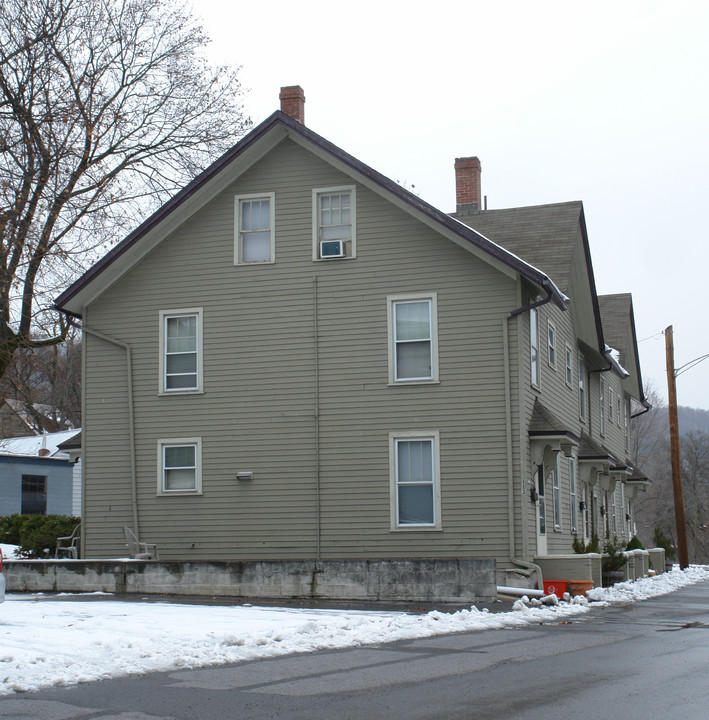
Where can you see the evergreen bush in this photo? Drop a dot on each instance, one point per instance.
(36, 534)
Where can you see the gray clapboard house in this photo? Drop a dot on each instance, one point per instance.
(297, 358)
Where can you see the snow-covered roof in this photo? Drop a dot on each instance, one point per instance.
(46, 411)
(32, 444)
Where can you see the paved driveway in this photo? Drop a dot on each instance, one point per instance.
(641, 661)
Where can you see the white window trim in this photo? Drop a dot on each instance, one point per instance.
(573, 495)
(167, 442)
(626, 429)
(618, 408)
(556, 495)
(601, 407)
(433, 435)
(317, 192)
(535, 375)
(237, 227)
(569, 366)
(181, 312)
(583, 395)
(551, 344)
(611, 405)
(413, 297)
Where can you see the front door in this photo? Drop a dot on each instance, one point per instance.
(541, 514)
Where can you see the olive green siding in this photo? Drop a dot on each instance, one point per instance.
(296, 386)
(562, 400)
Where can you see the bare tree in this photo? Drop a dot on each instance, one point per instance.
(651, 449)
(695, 484)
(44, 384)
(106, 108)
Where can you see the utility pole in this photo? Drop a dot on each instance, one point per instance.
(674, 446)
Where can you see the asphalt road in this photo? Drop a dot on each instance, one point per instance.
(644, 660)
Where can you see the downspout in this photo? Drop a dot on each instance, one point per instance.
(529, 566)
(131, 418)
(316, 418)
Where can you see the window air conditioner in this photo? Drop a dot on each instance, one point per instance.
(332, 248)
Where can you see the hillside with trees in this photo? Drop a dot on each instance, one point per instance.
(655, 508)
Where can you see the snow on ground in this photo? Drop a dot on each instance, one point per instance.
(8, 551)
(50, 640)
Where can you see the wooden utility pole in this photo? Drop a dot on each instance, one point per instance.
(674, 446)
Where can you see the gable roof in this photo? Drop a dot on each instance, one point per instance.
(544, 235)
(619, 330)
(551, 237)
(235, 161)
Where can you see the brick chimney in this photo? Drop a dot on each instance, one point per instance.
(468, 188)
(293, 102)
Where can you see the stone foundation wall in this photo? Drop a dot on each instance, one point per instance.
(444, 580)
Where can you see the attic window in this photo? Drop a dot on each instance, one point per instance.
(255, 237)
(334, 223)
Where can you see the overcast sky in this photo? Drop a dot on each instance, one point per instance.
(604, 102)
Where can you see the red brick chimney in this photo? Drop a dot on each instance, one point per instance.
(468, 188)
(293, 102)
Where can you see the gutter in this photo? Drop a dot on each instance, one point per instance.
(646, 405)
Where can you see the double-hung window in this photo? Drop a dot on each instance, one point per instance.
(254, 222)
(602, 406)
(534, 346)
(582, 389)
(334, 223)
(180, 466)
(618, 403)
(415, 471)
(569, 366)
(413, 351)
(181, 350)
(551, 334)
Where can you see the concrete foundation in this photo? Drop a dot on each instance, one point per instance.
(443, 580)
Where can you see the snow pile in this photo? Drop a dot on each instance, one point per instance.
(50, 640)
(644, 588)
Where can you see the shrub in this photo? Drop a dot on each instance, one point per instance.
(613, 558)
(592, 546)
(661, 540)
(634, 544)
(36, 534)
